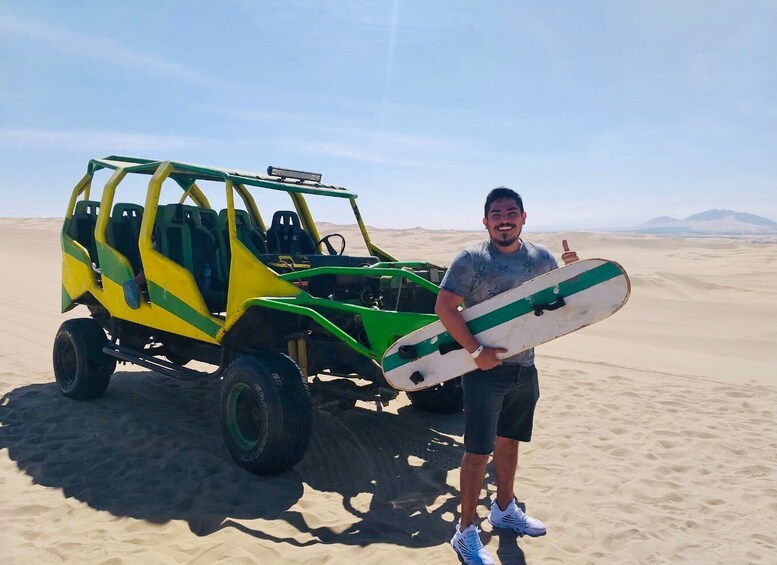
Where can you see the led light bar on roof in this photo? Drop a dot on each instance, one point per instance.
(291, 174)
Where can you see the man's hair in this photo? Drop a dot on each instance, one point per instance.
(502, 192)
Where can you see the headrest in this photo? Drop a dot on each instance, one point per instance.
(126, 210)
(86, 208)
(171, 213)
(242, 218)
(208, 217)
(285, 218)
(180, 214)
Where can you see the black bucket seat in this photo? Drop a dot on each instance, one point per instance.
(82, 226)
(123, 232)
(286, 235)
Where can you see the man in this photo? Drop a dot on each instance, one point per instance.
(500, 396)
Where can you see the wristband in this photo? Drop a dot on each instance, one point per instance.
(475, 354)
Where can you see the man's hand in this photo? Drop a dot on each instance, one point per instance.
(568, 256)
(488, 358)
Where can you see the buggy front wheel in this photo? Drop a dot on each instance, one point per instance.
(266, 413)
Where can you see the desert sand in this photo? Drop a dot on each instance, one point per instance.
(655, 437)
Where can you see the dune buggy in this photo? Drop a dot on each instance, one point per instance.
(289, 320)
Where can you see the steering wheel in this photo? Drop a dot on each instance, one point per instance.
(329, 246)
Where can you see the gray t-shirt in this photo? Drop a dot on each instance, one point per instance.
(482, 271)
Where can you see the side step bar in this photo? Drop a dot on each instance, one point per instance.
(155, 363)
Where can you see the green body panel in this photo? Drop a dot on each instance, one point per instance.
(383, 327)
(113, 265)
(511, 311)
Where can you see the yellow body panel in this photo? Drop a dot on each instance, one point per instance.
(113, 299)
(250, 278)
(173, 277)
(78, 277)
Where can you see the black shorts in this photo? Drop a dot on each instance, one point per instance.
(499, 402)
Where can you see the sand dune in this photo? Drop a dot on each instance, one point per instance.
(656, 436)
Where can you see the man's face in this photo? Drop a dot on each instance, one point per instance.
(504, 222)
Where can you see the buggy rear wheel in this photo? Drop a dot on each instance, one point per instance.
(266, 413)
(81, 368)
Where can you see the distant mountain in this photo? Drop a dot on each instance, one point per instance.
(711, 222)
(713, 215)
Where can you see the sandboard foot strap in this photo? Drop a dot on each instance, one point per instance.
(539, 310)
(448, 347)
(408, 352)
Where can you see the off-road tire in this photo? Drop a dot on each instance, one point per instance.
(81, 368)
(445, 398)
(266, 412)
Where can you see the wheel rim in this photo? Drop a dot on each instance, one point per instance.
(67, 363)
(244, 416)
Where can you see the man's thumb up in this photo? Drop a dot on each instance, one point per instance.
(568, 256)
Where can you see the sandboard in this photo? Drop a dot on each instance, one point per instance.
(540, 310)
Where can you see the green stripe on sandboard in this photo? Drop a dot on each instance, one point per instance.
(521, 307)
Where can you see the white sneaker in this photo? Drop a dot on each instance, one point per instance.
(515, 519)
(470, 549)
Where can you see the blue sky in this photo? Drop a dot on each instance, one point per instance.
(600, 113)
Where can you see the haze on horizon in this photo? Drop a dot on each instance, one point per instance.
(602, 114)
